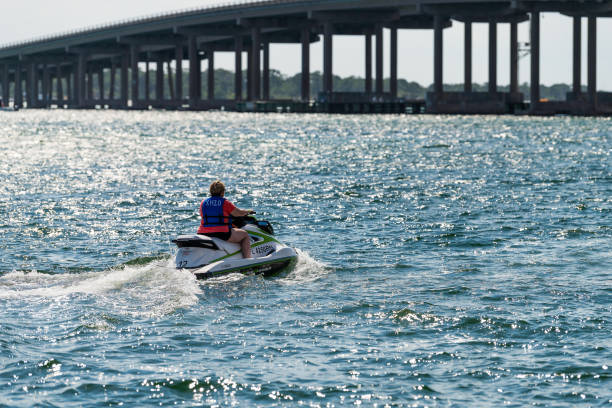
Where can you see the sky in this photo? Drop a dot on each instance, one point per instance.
(28, 19)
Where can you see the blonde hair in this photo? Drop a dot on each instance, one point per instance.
(217, 188)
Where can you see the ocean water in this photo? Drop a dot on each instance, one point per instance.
(443, 261)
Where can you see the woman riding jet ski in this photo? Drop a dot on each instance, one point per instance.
(219, 249)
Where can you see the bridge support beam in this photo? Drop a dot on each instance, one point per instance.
(492, 57)
(266, 71)
(18, 98)
(45, 85)
(379, 59)
(90, 94)
(514, 57)
(30, 85)
(238, 45)
(368, 63)
(100, 83)
(328, 81)
(577, 56)
(592, 60)
(535, 61)
(305, 91)
(467, 57)
(249, 76)
(113, 74)
(170, 80)
(195, 74)
(147, 84)
(211, 74)
(438, 47)
(393, 62)
(48, 92)
(159, 80)
(124, 80)
(178, 57)
(5, 85)
(79, 81)
(256, 63)
(36, 87)
(59, 90)
(69, 96)
(134, 74)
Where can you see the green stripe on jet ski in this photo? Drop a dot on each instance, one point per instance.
(266, 239)
(246, 267)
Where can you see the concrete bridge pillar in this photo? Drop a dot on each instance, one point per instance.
(211, 74)
(178, 57)
(535, 60)
(124, 79)
(266, 70)
(492, 57)
(170, 80)
(5, 85)
(35, 85)
(2, 91)
(305, 64)
(379, 59)
(256, 63)
(393, 62)
(30, 85)
(592, 60)
(79, 81)
(159, 79)
(249, 76)
(69, 95)
(45, 85)
(90, 94)
(18, 98)
(238, 46)
(134, 50)
(49, 96)
(147, 84)
(514, 85)
(577, 54)
(328, 82)
(195, 75)
(368, 63)
(113, 74)
(438, 47)
(101, 90)
(59, 90)
(467, 57)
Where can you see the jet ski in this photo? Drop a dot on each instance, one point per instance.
(209, 257)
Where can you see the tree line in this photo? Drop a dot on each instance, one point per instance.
(289, 86)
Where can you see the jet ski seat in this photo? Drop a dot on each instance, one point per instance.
(194, 240)
(228, 247)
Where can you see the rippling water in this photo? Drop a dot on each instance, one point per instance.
(444, 261)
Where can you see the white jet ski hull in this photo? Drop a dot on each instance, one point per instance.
(208, 257)
(265, 265)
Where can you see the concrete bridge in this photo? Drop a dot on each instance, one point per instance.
(103, 66)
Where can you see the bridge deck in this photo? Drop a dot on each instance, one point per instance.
(104, 65)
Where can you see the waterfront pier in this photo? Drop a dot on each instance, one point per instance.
(158, 62)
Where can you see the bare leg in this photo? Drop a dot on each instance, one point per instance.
(241, 237)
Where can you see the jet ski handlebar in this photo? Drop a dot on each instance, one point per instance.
(240, 222)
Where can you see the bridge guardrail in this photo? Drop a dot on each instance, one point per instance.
(141, 19)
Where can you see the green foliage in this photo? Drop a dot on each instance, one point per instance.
(289, 87)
